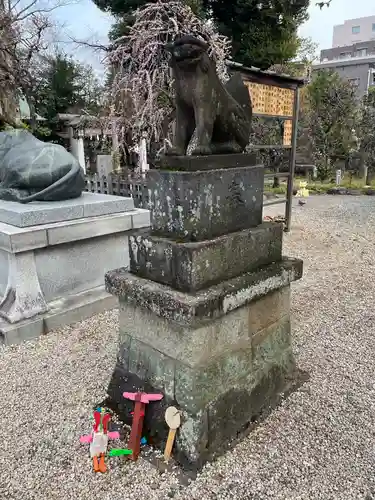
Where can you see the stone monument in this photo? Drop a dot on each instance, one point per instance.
(204, 310)
(56, 242)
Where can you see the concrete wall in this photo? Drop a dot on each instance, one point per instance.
(343, 33)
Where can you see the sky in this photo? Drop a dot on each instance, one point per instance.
(84, 21)
(320, 25)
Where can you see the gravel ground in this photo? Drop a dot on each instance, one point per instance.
(319, 444)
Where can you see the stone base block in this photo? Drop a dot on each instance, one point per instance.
(193, 266)
(203, 305)
(59, 261)
(221, 375)
(47, 212)
(196, 206)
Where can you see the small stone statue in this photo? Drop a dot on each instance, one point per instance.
(32, 170)
(221, 114)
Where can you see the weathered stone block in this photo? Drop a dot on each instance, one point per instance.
(196, 387)
(194, 346)
(195, 206)
(152, 365)
(219, 395)
(205, 305)
(193, 266)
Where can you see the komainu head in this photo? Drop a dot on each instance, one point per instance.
(187, 50)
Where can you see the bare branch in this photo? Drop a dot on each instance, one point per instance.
(23, 37)
(25, 9)
(142, 92)
(91, 45)
(29, 10)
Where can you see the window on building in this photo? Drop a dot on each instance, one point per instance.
(356, 30)
(360, 53)
(345, 55)
(373, 26)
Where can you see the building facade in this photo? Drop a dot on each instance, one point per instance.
(354, 31)
(353, 53)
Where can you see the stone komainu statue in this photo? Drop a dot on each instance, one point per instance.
(32, 170)
(221, 114)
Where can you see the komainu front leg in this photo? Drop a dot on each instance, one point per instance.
(204, 119)
(183, 132)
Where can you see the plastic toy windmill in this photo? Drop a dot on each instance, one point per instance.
(140, 399)
(98, 439)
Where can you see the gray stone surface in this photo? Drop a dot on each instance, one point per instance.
(83, 229)
(204, 305)
(193, 266)
(207, 162)
(15, 239)
(18, 239)
(4, 265)
(23, 297)
(197, 345)
(141, 218)
(59, 262)
(221, 375)
(194, 206)
(39, 212)
(79, 266)
(61, 312)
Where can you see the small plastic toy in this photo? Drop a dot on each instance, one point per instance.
(143, 441)
(303, 192)
(173, 419)
(119, 453)
(98, 439)
(140, 399)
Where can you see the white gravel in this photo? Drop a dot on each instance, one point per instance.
(318, 445)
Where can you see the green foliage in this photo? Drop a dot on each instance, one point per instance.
(64, 83)
(366, 131)
(301, 66)
(330, 114)
(262, 33)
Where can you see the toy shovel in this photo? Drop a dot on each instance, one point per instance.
(173, 419)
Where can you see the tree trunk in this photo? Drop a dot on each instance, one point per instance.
(369, 176)
(8, 83)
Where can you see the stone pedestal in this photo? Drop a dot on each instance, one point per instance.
(204, 310)
(196, 206)
(53, 256)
